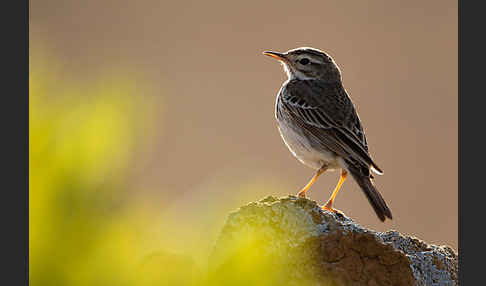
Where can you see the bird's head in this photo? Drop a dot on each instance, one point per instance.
(308, 63)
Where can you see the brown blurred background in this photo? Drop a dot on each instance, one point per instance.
(217, 130)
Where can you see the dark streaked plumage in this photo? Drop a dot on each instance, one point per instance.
(320, 125)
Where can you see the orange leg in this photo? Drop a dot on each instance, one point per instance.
(311, 182)
(328, 205)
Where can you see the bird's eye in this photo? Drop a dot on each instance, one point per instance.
(304, 61)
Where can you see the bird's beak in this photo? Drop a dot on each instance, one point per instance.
(276, 55)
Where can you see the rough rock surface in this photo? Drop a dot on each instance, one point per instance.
(291, 241)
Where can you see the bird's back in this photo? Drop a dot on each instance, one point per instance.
(330, 99)
(323, 117)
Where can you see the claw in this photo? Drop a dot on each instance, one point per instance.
(331, 209)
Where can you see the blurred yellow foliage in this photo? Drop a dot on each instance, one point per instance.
(82, 136)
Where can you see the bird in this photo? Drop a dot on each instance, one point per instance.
(319, 124)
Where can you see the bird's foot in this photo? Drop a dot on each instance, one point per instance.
(331, 209)
(301, 194)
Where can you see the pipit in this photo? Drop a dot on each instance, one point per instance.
(320, 126)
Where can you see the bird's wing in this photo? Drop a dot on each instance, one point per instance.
(327, 113)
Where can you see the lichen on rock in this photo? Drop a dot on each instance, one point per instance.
(292, 241)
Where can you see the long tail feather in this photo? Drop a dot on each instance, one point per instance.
(372, 194)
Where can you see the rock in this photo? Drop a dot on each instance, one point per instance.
(292, 241)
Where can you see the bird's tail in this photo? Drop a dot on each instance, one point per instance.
(372, 194)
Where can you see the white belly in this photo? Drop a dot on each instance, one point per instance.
(305, 153)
